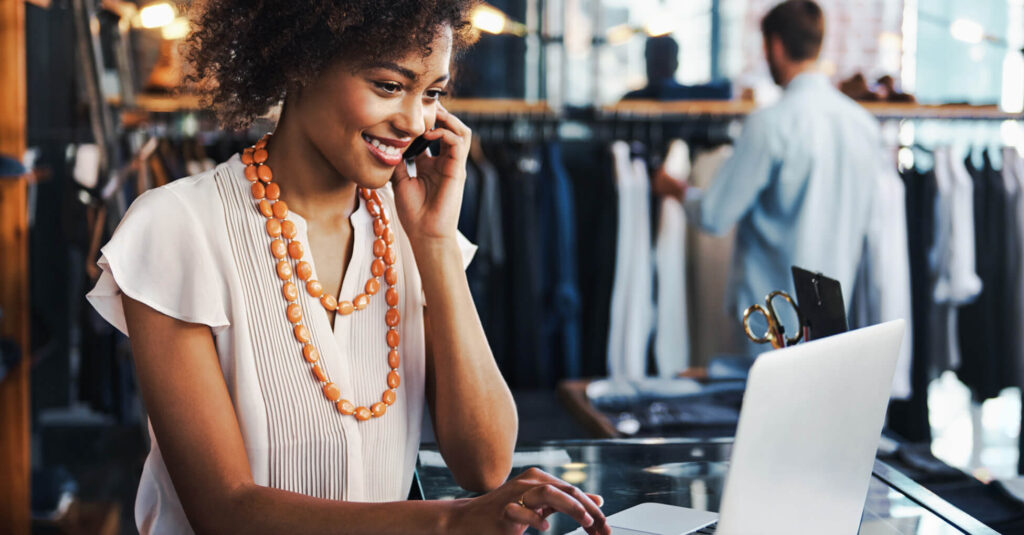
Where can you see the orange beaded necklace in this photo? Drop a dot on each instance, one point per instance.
(267, 195)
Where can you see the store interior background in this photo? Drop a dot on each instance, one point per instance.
(556, 71)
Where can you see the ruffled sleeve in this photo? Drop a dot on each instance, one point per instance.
(160, 255)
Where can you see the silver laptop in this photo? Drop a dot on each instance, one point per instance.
(801, 463)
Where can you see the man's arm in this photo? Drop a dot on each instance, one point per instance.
(740, 180)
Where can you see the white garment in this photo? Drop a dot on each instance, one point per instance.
(882, 292)
(672, 338)
(618, 309)
(197, 250)
(632, 308)
(954, 253)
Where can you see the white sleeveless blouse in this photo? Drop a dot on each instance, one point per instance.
(196, 250)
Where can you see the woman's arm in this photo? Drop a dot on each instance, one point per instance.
(473, 412)
(195, 424)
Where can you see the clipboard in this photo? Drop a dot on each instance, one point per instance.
(821, 304)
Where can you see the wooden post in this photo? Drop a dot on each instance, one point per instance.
(15, 466)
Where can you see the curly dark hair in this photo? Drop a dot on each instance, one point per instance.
(245, 54)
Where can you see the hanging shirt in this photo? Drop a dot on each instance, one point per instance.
(196, 250)
(799, 184)
(672, 340)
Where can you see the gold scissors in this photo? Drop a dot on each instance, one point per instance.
(776, 333)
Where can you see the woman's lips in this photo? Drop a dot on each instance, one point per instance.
(388, 151)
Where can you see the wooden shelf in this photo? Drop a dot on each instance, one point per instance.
(739, 108)
(640, 108)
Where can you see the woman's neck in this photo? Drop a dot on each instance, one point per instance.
(310, 185)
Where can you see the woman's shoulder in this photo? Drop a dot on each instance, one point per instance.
(196, 197)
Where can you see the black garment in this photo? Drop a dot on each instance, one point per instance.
(909, 418)
(596, 198)
(986, 366)
(528, 359)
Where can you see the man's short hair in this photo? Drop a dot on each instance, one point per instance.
(662, 55)
(800, 25)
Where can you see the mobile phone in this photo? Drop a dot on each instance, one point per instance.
(416, 148)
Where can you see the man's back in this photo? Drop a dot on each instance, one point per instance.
(800, 186)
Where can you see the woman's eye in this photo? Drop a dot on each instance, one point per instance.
(390, 87)
(436, 94)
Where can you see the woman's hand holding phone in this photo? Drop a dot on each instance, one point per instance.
(429, 203)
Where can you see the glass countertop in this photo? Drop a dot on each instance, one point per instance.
(691, 473)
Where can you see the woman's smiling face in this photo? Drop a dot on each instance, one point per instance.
(362, 116)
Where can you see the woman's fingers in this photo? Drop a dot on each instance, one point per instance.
(521, 515)
(596, 498)
(551, 496)
(453, 123)
(452, 145)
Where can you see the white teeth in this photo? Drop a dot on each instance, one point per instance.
(375, 143)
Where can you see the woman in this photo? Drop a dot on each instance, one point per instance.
(276, 407)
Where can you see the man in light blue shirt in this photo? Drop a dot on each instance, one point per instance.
(799, 183)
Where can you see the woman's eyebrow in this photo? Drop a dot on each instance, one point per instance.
(392, 67)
